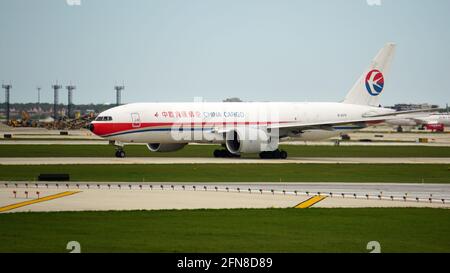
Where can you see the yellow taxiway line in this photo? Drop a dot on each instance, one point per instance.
(42, 199)
(309, 202)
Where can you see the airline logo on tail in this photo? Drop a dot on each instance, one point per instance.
(374, 82)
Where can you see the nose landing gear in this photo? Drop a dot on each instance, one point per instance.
(120, 153)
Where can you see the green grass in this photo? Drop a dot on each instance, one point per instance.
(237, 230)
(207, 150)
(428, 173)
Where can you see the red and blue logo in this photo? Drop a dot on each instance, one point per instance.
(374, 82)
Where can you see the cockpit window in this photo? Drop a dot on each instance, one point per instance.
(103, 118)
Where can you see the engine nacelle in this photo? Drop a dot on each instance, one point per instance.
(250, 140)
(171, 147)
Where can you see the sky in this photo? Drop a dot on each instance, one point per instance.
(257, 50)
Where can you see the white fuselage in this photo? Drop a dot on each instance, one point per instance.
(198, 122)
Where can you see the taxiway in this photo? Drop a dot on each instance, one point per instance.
(211, 160)
(22, 196)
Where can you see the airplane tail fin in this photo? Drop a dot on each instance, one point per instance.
(369, 86)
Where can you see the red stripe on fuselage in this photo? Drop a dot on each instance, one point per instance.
(108, 128)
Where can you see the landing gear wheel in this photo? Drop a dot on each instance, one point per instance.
(265, 155)
(283, 154)
(232, 155)
(120, 153)
(217, 153)
(276, 154)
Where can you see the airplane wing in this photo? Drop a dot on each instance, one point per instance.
(366, 118)
(328, 125)
(325, 125)
(404, 112)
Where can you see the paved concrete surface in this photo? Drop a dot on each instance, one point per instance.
(100, 196)
(308, 143)
(302, 143)
(115, 199)
(363, 203)
(212, 160)
(93, 141)
(412, 190)
(372, 143)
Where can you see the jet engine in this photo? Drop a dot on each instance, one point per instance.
(171, 147)
(250, 140)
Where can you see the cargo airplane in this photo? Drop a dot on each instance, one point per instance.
(249, 127)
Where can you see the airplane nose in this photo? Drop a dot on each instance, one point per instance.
(91, 127)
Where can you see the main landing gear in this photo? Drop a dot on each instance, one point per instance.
(273, 154)
(224, 153)
(264, 155)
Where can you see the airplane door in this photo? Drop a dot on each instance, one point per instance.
(135, 120)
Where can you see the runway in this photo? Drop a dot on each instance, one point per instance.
(212, 160)
(77, 141)
(151, 196)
